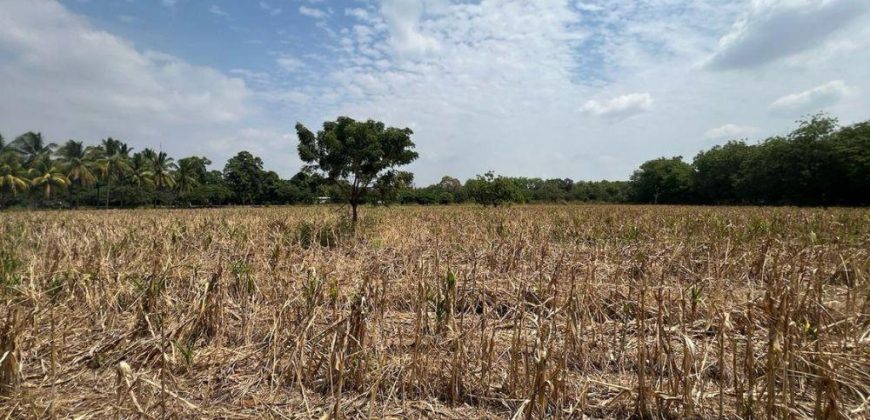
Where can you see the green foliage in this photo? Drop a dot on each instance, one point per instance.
(850, 153)
(162, 166)
(9, 268)
(13, 177)
(187, 352)
(663, 180)
(47, 177)
(718, 170)
(443, 301)
(491, 190)
(31, 146)
(449, 184)
(601, 191)
(243, 276)
(312, 289)
(356, 152)
(816, 164)
(391, 185)
(326, 235)
(79, 163)
(244, 176)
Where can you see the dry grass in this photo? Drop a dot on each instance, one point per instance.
(453, 312)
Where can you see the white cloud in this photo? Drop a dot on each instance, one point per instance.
(498, 84)
(312, 12)
(730, 132)
(485, 85)
(774, 29)
(290, 64)
(293, 96)
(493, 84)
(266, 143)
(62, 76)
(361, 14)
(811, 100)
(217, 11)
(272, 11)
(587, 7)
(406, 35)
(620, 107)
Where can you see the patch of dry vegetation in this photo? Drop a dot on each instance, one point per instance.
(454, 312)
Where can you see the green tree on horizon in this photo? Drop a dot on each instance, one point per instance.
(663, 180)
(356, 152)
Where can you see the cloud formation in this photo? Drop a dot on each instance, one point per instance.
(216, 10)
(550, 88)
(623, 106)
(811, 100)
(271, 10)
(290, 64)
(730, 132)
(312, 12)
(406, 35)
(774, 29)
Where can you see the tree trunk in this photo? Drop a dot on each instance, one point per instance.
(353, 206)
(108, 190)
(354, 200)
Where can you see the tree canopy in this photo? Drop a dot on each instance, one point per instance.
(492, 190)
(664, 180)
(356, 152)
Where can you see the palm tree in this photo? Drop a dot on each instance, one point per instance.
(13, 178)
(112, 146)
(149, 155)
(125, 150)
(140, 172)
(79, 164)
(115, 162)
(32, 146)
(162, 166)
(48, 176)
(186, 177)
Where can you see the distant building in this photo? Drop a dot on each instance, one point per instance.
(324, 200)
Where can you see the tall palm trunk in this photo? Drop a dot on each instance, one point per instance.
(108, 190)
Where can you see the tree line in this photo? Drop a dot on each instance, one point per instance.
(818, 163)
(35, 173)
(355, 162)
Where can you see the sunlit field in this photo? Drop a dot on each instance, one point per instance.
(444, 312)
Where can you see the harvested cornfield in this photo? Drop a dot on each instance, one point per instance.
(442, 312)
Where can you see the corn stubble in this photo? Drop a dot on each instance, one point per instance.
(451, 312)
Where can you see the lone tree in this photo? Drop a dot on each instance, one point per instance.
(356, 152)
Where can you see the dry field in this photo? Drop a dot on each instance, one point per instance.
(444, 312)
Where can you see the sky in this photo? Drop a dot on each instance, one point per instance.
(583, 89)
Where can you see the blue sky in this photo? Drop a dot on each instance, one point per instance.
(224, 34)
(552, 88)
